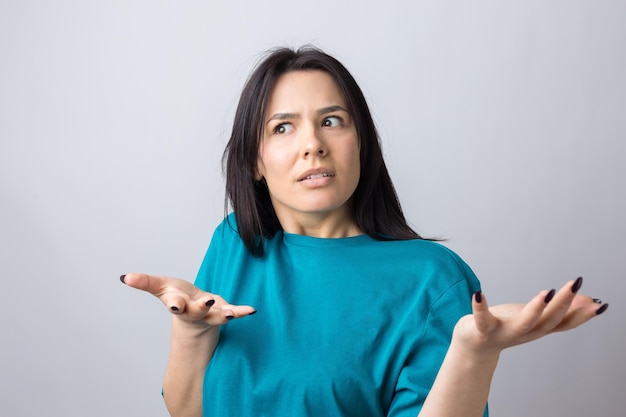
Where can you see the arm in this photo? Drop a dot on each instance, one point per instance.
(463, 382)
(191, 348)
(462, 385)
(195, 333)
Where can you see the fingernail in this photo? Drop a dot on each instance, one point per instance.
(597, 301)
(254, 312)
(174, 308)
(549, 296)
(122, 278)
(577, 284)
(230, 317)
(602, 309)
(478, 296)
(210, 303)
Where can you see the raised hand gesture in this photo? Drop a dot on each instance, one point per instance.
(462, 384)
(491, 329)
(186, 301)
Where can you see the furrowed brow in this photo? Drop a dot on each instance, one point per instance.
(330, 109)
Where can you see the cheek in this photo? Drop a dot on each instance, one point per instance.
(355, 160)
(266, 160)
(276, 159)
(268, 164)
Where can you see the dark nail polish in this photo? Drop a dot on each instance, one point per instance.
(254, 312)
(478, 296)
(230, 317)
(174, 308)
(549, 296)
(210, 303)
(597, 301)
(122, 278)
(577, 284)
(602, 309)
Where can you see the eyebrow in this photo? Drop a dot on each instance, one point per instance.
(289, 116)
(330, 109)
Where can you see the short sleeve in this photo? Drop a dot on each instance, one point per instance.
(222, 238)
(419, 373)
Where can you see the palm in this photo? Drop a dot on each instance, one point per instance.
(492, 329)
(188, 302)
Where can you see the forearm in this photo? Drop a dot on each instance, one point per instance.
(190, 352)
(462, 385)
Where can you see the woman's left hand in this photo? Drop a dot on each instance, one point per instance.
(490, 330)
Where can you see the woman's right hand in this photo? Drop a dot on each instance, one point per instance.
(186, 301)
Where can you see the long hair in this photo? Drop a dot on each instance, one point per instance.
(375, 204)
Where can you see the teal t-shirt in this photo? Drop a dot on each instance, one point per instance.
(344, 327)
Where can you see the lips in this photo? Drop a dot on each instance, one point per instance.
(316, 173)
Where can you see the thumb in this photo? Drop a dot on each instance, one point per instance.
(485, 321)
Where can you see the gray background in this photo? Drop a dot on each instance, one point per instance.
(502, 123)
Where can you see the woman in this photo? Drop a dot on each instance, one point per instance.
(358, 315)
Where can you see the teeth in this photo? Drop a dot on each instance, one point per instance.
(312, 177)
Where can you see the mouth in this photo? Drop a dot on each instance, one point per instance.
(315, 174)
(312, 177)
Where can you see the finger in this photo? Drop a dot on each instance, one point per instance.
(228, 312)
(583, 309)
(531, 313)
(158, 285)
(485, 321)
(235, 312)
(581, 300)
(602, 309)
(195, 310)
(557, 308)
(153, 284)
(175, 303)
(179, 296)
(196, 306)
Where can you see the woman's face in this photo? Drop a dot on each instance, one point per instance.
(309, 153)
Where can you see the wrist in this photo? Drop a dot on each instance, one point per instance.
(474, 355)
(191, 329)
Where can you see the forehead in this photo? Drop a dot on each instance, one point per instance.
(299, 90)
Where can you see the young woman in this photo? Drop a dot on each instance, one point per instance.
(357, 314)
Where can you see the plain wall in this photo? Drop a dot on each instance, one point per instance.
(502, 123)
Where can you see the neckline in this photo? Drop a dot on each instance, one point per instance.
(322, 242)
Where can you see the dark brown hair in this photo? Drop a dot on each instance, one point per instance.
(375, 204)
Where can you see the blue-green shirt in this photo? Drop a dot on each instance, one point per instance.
(345, 327)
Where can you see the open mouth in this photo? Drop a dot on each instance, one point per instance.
(315, 176)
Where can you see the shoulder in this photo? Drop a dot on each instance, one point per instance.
(226, 249)
(226, 231)
(425, 251)
(225, 240)
(228, 225)
(438, 266)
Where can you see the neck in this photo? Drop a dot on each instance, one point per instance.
(324, 225)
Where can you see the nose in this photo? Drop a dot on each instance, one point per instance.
(313, 144)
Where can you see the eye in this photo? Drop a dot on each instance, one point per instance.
(332, 121)
(283, 128)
